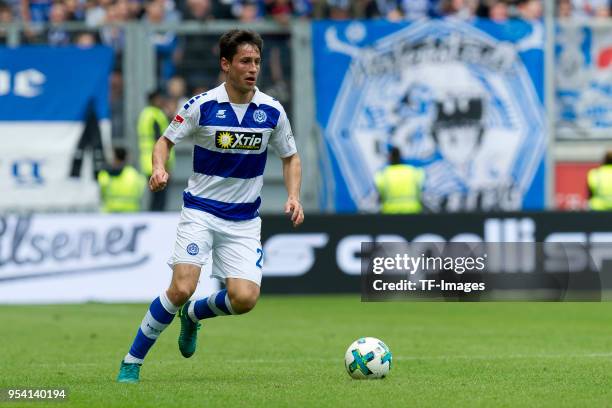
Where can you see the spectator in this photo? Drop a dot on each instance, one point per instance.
(176, 89)
(529, 10)
(121, 185)
(302, 8)
(75, 10)
(6, 17)
(279, 10)
(495, 10)
(460, 9)
(95, 12)
(112, 34)
(165, 42)
(222, 9)
(86, 39)
(35, 11)
(399, 186)
(152, 122)
(388, 9)
(198, 10)
(339, 9)
(564, 9)
(56, 35)
(599, 182)
(247, 11)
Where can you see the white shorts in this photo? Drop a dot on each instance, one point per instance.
(235, 245)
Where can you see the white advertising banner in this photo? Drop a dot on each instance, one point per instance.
(50, 258)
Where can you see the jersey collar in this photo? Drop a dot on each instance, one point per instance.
(222, 96)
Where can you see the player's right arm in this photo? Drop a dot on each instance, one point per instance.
(183, 124)
(161, 153)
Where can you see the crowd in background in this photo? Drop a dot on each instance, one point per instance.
(98, 12)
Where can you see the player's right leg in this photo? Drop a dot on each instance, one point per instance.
(193, 242)
(159, 316)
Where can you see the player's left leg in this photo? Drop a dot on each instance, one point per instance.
(242, 293)
(237, 260)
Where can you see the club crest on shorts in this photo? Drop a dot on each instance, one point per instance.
(193, 249)
(259, 116)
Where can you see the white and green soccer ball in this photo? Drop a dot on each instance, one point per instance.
(368, 358)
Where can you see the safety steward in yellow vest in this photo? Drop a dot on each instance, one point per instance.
(399, 186)
(152, 123)
(121, 186)
(600, 185)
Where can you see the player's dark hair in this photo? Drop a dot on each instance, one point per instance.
(608, 157)
(230, 41)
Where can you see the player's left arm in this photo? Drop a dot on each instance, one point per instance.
(292, 173)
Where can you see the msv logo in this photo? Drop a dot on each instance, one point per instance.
(457, 102)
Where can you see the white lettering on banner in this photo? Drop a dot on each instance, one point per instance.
(84, 257)
(27, 83)
(5, 82)
(349, 250)
(348, 255)
(27, 171)
(291, 254)
(579, 249)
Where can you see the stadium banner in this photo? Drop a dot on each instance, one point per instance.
(325, 255)
(54, 126)
(88, 257)
(48, 258)
(583, 82)
(463, 101)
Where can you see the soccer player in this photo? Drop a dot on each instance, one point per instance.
(231, 127)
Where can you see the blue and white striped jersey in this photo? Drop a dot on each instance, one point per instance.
(229, 155)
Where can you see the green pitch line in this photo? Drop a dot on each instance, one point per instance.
(290, 352)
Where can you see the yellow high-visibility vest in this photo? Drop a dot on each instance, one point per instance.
(399, 186)
(150, 116)
(121, 192)
(600, 183)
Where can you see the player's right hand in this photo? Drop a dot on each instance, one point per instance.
(158, 180)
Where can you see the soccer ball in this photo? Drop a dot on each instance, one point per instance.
(368, 358)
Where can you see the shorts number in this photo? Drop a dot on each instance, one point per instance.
(258, 263)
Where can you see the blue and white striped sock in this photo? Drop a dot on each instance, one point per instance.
(158, 317)
(217, 304)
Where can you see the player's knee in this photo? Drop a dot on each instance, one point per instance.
(243, 301)
(180, 294)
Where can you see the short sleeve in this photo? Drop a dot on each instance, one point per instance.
(281, 138)
(183, 124)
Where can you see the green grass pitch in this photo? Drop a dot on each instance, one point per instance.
(290, 352)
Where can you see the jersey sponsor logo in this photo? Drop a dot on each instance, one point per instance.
(177, 121)
(259, 116)
(238, 140)
(193, 249)
(220, 114)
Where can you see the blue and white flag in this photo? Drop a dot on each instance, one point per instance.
(54, 118)
(463, 101)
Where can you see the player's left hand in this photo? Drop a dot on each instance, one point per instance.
(294, 208)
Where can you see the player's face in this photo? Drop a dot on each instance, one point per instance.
(243, 70)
